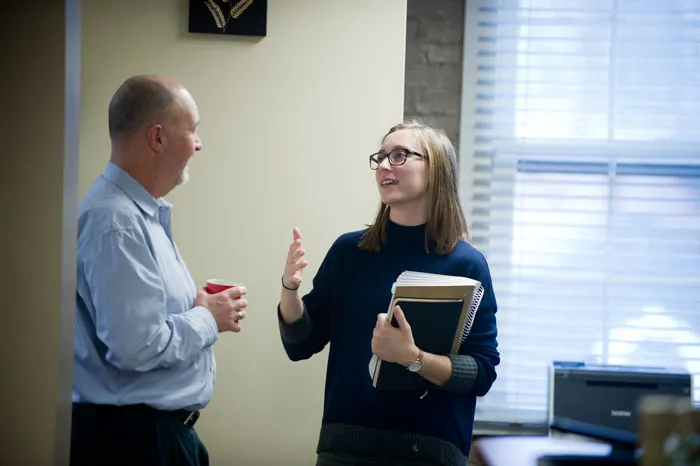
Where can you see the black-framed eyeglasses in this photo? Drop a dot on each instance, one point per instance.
(396, 157)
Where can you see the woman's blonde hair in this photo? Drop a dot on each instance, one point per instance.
(446, 224)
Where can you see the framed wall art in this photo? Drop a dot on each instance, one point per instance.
(235, 17)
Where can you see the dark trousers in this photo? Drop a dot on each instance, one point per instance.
(132, 435)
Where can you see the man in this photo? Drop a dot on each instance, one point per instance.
(144, 335)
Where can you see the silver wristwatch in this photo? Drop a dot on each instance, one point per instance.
(416, 365)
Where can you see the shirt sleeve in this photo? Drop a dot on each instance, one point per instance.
(131, 316)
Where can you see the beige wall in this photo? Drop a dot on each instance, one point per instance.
(288, 122)
(38, 194)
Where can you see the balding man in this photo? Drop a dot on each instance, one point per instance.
(144, 334)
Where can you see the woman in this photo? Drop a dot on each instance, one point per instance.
(420, 226)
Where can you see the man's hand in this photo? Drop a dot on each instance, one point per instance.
(227, 307)
(394, 344)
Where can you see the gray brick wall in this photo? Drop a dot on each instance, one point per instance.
(433, 80)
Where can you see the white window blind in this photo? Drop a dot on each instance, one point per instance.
(580, 172)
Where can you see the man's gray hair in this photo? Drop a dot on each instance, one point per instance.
(138, 101)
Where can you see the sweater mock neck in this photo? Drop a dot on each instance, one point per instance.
(406, 238)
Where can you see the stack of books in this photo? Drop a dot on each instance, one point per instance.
(440, 310)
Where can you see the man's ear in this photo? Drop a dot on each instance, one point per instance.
(155, 135)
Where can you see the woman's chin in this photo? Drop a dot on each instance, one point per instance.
(388, 200)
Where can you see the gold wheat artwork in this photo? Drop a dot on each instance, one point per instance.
(238, 9)
(235, 12)
(216, 13)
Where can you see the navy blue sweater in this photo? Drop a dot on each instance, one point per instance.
(351, 287)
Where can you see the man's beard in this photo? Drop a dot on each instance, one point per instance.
(184, 176)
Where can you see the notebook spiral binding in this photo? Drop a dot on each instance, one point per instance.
(469, 320)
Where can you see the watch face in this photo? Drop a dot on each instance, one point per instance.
(414, 366)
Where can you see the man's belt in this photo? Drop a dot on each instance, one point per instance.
(187, 417)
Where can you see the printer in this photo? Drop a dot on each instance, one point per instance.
(607, 396)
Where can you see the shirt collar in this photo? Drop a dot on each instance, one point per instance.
(134, 190)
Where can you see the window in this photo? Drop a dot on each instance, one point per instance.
(580, 173)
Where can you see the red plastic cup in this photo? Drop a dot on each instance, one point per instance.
(217, 285)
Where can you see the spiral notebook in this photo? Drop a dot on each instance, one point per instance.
(440, 310)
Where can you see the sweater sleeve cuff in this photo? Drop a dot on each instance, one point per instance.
(464, 373)
(295, 332)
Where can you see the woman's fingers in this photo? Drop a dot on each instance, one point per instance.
(294, 247)
(295, 263)
(295, 252)
(292, 271)
(298, 266)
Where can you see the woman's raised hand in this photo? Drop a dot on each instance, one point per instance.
(291, 279)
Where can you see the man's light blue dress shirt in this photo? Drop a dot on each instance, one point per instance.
(138, 338)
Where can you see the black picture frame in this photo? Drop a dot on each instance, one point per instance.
(228, 17)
